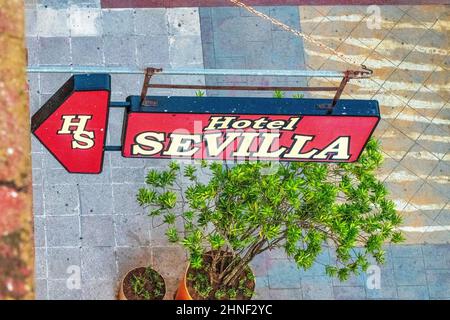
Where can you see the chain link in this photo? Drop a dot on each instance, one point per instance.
(294, 31)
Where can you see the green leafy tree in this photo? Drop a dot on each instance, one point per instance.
(241, 211)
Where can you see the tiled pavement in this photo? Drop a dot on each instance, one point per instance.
(91, 226)
(409, 55)
(234, 39)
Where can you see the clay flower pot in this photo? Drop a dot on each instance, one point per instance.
(142, 283)
(184, 289)
(183, 292)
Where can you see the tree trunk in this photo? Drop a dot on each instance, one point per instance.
(232, 275)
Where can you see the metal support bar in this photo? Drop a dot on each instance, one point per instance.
(83, 69)
(340, 90)
(150, 72)
(148, 75)
(245, 88)
(255, 73)
(349, 74)
(337, 96)
(115, 104)
(113, 148)
(187, 72)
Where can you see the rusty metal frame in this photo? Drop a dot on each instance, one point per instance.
(347, 76)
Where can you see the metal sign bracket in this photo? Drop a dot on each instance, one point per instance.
(150, 72)
(346, 77)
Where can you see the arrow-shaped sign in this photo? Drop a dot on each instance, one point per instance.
(72, 123)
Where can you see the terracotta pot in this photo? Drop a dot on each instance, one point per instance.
(121, 295)
(183, 291)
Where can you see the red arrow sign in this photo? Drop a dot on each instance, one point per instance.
(72, 123)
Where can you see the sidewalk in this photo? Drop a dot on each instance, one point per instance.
(409, 56)
(94, 222)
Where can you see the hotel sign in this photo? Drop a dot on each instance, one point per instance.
(73, 124)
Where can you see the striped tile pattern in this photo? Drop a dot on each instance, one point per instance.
(409, 54)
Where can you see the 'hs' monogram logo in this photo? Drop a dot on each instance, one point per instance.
(82, 139)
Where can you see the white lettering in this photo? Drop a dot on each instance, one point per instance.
(82, 139)
(152, 141)
(300, 142)
(338, 148)
(181, 145)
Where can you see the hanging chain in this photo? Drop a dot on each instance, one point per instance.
(296, 32)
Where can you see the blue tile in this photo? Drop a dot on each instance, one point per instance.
(263, 9)
(87, 50)
(262, 294)
(62, 231)
(413, 292)
(92, 258)
(229, 23)
(262, 282)
(234, 39)
(209, 60)
(120, 50)
(387, 277)
(379, 276)
(230, 62)
(287, 14)
(54, 50)
(118, 22)
(253, 29)
(349, 293)
(54, 4)
(353, 280)
(382, 293)
(436, 256)
(206, 29)
(288, 62)
(98, 289)
(439, 283)
(205, 12)
(151, 22)
(40, 263)
(61, 260)
(409, 271)
(58, 290)
(286, 45)
(152, 50)
(285, 294)
(283, 274)
(221, 15)
(226, 46)
(277, 253)
(41, 289)
(318, 268)
(406, 251)
(317, 288)
(259, 265)
(388, 263)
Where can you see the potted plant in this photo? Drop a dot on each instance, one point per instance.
(143, 283)
(250, 207)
